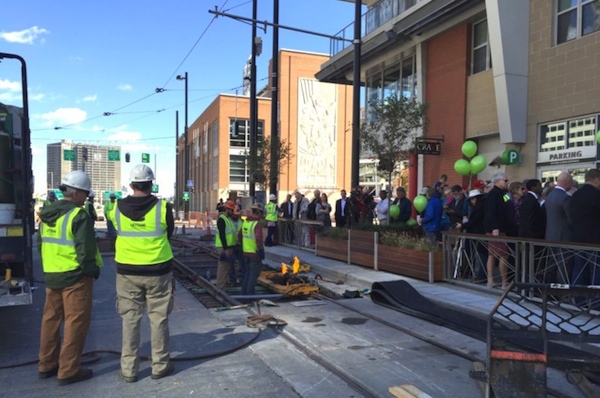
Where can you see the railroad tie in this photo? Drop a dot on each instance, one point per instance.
(264, 320)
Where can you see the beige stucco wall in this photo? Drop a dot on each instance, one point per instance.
(482, 116)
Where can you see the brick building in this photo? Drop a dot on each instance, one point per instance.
(517, 75)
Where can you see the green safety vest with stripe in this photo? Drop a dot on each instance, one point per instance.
(271, 211)
(230, 233)
(142, 242)
(58, 245)
(248, 238)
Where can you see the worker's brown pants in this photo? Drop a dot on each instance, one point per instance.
(72, 304)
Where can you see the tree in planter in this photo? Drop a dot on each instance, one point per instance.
(263, 166)
(390, 128)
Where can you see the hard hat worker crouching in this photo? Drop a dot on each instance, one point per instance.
(143, 256)
(70, 259)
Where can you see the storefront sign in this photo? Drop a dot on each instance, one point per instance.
(572, 155)
(428, 147)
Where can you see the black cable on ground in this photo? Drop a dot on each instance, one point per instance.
(94, 355)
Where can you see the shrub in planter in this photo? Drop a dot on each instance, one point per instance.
(410, 256)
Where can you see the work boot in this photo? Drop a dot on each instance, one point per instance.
(127, 379)
(168, 370)
(82, 374)
(48, 374)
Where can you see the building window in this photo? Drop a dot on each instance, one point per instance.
(237, 168)
(576, 18)
(481, 59)
(399, 79)
(570, 134)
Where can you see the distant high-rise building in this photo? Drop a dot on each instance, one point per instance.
(65, 156)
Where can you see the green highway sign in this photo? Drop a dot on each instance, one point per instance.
(69, 155)
(145, 158)
(114, 155)
(118, 194)
(58, 193)
(186, 196)
(154, 188)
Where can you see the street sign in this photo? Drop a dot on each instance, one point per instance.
(58, 193)
(510, 157)
(118, 194)
(145, 158)
(154, 188)
(190, 183)
(69, 155)
(424, 147)
(186, 196)
(114, 155)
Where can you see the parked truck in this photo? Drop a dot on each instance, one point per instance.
(16, 197)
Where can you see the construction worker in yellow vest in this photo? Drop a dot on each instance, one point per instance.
(108, 207)
(271, 215)
(71, 261)
(226, 240)
(143, 256)
(251, 237)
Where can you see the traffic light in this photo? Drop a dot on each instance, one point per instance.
(127, 157)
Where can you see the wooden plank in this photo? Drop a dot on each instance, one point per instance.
(408, 391)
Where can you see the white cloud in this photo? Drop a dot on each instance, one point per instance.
(36, 150)
(36, 97)
(9, 85)
(10, 98)
(90, 98)
(62, 116)
(125, 87)
(125, 136)
(27, 36)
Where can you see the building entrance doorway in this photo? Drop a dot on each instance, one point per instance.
(577, 170)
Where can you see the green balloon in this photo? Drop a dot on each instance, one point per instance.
(469, 149)
(420, 203)
(462, 167)
(411, 222)
(394, 211)
(478, 164)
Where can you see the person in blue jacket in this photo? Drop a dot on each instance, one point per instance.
(432, 217)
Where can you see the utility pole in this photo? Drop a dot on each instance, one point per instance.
(177, 193)
(275, 138)
(186, 159)
(356, 96)
(253, 105)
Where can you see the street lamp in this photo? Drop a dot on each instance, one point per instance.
(186, 160)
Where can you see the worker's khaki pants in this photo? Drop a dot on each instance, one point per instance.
(72, 304)
(156, 292)
(224, 267)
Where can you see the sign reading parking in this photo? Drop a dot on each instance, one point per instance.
(510, 157)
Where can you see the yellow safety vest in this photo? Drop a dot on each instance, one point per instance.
(271, 212)
(108, 206)
(230, 233)
(248, 237)
(58, 245)
(142, 242)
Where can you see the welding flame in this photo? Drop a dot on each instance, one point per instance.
(296, 265)
(284, 268)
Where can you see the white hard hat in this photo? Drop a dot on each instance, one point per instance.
(79, 180)
(141, 173)
(91, 194)
(272, 196)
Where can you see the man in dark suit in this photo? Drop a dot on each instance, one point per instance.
(585, 215)
(533, 222)
(559, 228)
(342, 210)
(287, 215)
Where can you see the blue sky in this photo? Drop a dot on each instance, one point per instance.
(87, 58)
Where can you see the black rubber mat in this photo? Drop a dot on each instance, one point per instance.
(400, 295)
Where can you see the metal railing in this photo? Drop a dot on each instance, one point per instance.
(298, 233)
(526, 260)
(376, 16)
